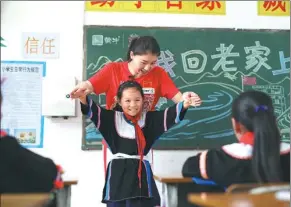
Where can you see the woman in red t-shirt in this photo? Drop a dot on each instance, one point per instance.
(141, 66)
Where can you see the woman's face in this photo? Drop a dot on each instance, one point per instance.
(131, 101)
(142, 64)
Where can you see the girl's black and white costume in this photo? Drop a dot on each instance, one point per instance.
(230, 164)
(121, 177)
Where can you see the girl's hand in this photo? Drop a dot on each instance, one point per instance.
(191, 99)
(82, 89)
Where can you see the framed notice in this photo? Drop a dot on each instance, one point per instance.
(22, 101)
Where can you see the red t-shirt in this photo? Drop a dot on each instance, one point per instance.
(155, 83)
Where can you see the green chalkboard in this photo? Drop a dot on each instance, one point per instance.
(218, 64)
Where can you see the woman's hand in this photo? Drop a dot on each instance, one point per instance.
(82, 90)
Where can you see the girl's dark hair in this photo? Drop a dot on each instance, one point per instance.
(255, 111)
(143, 45)
(126, 85)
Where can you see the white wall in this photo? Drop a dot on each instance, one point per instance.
(62, 138)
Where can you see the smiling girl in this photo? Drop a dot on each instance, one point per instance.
(130, 134)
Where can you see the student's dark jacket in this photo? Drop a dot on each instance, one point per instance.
(22, 171)
(230, 164)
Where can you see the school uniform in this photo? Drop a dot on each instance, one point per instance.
(123, 186)
(22, 171)
(231, 164)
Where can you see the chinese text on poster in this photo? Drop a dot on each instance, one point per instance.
(21, 106)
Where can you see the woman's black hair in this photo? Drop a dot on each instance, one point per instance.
(255, 111)
(143, 45)
(126, 85)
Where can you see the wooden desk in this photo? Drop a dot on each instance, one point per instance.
(175, 188)
(24, 200)
(63, 196)
(236, 200)
(242, 188)
(178, 178)
(70, 182)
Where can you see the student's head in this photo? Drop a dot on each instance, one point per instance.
(143, 53)
(130, 97)
(253, 111)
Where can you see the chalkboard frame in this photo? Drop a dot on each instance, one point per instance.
(98, 145)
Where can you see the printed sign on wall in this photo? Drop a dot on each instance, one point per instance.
(274, 8)
(22, 101)
(181, 7)
(40, 45)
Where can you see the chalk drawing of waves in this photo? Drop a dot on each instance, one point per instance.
(92, 132)
(211, 120)
(218, 134)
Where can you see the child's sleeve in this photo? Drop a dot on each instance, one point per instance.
(285, 161)
(102, 118)
(195, 166)
(213, 165)
(159, 122)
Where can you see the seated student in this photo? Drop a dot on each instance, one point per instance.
(258, 157)
(22, 171)
(130, 135)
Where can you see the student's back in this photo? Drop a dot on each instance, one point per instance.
(258, 157)
(23, 171)
(231, 164)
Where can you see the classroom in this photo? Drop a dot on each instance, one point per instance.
(73, 22)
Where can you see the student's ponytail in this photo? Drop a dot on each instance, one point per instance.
(266, 152)
(254, 110)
